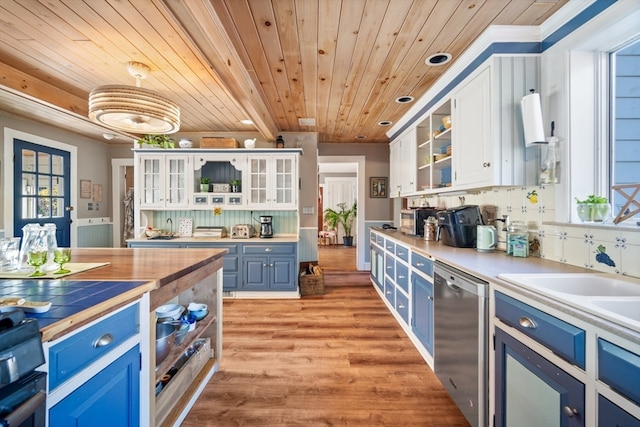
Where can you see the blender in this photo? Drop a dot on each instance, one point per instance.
(266, 227)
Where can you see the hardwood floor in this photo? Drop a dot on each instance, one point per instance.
(327, 360)
(337, 257)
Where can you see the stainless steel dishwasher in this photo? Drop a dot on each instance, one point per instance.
(460, 340)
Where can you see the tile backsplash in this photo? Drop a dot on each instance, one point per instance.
(607, 248)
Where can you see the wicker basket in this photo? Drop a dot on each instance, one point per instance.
(310, 284)
(211, 142)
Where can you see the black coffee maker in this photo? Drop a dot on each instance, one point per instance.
(266, 226)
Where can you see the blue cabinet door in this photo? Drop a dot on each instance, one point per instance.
(610, 414)
(282, 274)
(422, 300)
(254, 271)
(532, 391)
(111, 398)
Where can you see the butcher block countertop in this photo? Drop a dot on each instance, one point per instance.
(79, 298)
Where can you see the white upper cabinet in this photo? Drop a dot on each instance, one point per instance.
(164, 180)
(403, 168)
(271, 182)
(471, 137)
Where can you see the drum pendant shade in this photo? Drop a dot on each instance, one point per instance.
(132, 108)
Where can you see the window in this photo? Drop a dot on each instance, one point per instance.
(624, 150)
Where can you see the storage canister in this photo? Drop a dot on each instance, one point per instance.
(430, 226)
(518, 239)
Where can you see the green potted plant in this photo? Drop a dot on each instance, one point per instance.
(204, 184)
(593, 208)
(157, 141)
(343, 217)
(235, 185)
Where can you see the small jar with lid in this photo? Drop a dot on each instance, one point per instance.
(518, 239)
(430, 226)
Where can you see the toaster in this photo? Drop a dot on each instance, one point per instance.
(457, 226)
(242, 231)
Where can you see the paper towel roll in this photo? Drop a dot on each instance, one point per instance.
(532, 120)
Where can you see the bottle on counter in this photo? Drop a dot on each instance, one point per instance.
(518, 239)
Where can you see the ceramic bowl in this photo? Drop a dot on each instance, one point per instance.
(197, 310)
(172, 311)
(153, 232)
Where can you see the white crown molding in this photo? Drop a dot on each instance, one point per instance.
(562, 16)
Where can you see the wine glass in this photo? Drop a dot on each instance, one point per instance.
(37, 258)
(62, 256)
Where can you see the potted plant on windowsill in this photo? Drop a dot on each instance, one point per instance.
(204, 184)
(593, 208)
(343, 217)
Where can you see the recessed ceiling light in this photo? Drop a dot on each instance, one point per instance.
(307, 122)
(438, 59)
(361, 136)
(246, 122)
(404, 99)
(385, 123)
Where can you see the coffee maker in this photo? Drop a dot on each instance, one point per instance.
(266, 226)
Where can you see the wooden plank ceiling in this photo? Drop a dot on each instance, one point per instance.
(340, 62)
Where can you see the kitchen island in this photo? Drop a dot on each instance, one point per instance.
(104, 316)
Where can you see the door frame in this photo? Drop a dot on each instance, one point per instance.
(9, 136)
(118, 168)
(360, 160)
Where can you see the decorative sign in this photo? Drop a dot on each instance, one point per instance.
(85, 189)
(378, 188)
(97, 192)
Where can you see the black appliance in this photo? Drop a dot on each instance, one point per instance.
(22, 388)
(266, 226)
(412, 220)
(457, 226)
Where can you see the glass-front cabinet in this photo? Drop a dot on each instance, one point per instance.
(164, 181)
(271, 182)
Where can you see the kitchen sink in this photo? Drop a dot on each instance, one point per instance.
(614, 298)
(576, 284)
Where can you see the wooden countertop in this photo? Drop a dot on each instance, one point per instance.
(82, 297)
(280, 238)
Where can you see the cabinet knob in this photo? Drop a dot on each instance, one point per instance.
(103, 341)
(525, 322)
(429, 298)
(569, 412)
(268, 249)
(486, 164)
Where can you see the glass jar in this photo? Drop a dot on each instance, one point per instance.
(430, 226)
(518, 239)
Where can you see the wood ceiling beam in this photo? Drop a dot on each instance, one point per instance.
(35, 88)
(200, 21)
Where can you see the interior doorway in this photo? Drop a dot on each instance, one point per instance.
(122, 182)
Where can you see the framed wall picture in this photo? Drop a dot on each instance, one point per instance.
(97, 192)
(378, 187)
(85, 189)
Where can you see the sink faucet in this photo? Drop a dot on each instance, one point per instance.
(170, 222)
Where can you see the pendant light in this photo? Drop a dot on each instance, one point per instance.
(132, 108)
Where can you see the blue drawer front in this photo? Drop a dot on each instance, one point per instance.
(380, 240)
(390, 265)
(610, 414)
(402, 253)
(561, 337)
(402, 276)
(390, 246)
(421, 263)
(402, 306)
(620, 369)
(390, 292)
(285, 249)
(77, 352)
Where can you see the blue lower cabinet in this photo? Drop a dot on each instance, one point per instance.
(422, 303)
(111, 398)
(390, 291)
(402, 306)
(269, 267)
(231, 262)
(532, 391)
(610, 414)
(620, 369)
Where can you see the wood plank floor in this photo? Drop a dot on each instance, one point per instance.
(336, 359)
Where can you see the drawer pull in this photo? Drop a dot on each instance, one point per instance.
(400, 276)
(268, 249)
(525, 322)
(103, 341)
(400, 306)
(420, 264)
(569, 412)
(389, 292)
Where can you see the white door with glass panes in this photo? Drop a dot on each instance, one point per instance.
(164, 181)
(272, 182)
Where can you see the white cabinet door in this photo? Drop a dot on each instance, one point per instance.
(471, 138)
(408, 166)
(395, 179)
(164, 181)
(272, 182)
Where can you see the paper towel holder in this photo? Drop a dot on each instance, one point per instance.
(532, 119)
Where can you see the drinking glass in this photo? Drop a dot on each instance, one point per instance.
(37, 258)
(62, 256)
